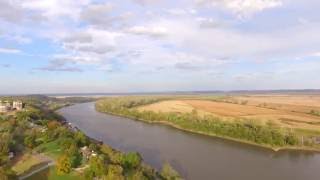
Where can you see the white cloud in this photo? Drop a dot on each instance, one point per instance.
(181, 12)
(316, 54)
(108, 36)
(10, 11)
(243, 8)
(97, 13)
(9, 51)
(146, 2)
(154, 31)
(56, 8)
(228, 41)
(20, 39)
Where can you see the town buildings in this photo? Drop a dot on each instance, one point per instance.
(6, 106)
(17, 105)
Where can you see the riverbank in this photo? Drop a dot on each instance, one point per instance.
(194, 156)
(275, 149)
(40, 130)
(151, 117)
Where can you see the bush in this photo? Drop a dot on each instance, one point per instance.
(80, 138)
(167, 172)
(6, 174)
(131, 160)
(291, 139)
(75, 156)
(30, 139)
(115, 173)
(97, 167)
(63, 165)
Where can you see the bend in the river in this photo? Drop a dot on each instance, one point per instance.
(194, 156)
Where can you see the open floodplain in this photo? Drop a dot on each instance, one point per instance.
(286, 110)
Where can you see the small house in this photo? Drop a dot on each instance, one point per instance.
(11, 155)
(18, 105)
(5, 106)
(87, 153)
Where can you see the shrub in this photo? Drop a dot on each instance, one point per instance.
(131, 160)
(63, 165)
(115, 173)
(97, 167)
(167, 172)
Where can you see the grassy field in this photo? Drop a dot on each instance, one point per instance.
(29, 161)
(51, 149)
(51, 174)
(284, 110)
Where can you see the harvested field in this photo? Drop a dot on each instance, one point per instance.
(294, 103)
(292, 114)
(176, 106)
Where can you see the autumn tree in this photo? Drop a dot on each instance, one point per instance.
(115, 173)
(64, 165)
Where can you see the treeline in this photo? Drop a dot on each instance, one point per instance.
(246, 130)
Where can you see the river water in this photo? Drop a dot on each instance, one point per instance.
(196, 157)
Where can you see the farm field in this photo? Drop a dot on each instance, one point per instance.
(292, 111)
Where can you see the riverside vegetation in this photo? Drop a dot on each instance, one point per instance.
(38, 136)
(249, 131)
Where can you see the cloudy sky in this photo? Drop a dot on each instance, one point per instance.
(65, 46)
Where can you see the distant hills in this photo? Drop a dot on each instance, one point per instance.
(282, 91)
(216, 92)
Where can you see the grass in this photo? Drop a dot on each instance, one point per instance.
(26, 163)
(51, 174)
(51, 149)
(72, 176)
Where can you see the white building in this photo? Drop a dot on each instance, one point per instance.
(18, 105)
(5, 106)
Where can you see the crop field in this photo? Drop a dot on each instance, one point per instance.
(294, 111)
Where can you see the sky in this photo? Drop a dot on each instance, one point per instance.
(86, 46)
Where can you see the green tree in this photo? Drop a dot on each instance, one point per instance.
(75, 156)
(5, 139)
(97, 167)
(131, 160)
(80, 138)
(291, 139)
(30, 139)
(66, 142)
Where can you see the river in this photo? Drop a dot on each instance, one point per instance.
(196, 157)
